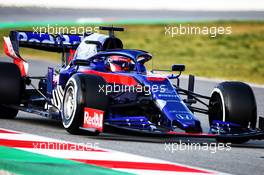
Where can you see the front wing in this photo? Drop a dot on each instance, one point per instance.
(256, 134)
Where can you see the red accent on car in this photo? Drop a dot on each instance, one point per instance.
(156, 78)
(93, 119)
(71, 54)
(21, 67)
(191, 134)
(113, 77)
(9, 51)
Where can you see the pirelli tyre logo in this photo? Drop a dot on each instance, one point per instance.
(93, 119)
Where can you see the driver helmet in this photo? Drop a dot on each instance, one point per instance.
(119, 63)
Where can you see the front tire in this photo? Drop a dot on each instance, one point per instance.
(233, 102)
(82, 91)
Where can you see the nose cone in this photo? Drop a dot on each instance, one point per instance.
(178, 115)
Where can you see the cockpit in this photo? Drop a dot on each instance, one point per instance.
(118, 63)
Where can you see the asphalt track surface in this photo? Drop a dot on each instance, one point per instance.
(14, 14)
(245, 159)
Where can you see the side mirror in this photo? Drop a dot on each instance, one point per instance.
(178, 67)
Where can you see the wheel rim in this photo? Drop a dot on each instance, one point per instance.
(69, 103)
(216, 109)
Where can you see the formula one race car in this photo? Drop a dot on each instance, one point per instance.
(102, 87)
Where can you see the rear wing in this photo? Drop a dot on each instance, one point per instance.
(47, 42)
(61, 43)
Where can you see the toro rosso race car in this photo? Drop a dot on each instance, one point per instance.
(102, 87)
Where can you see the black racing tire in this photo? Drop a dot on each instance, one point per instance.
(10, 89)
(8, 113)
(86, 94)
(233, 102)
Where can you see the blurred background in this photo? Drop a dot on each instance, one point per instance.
(236, 56)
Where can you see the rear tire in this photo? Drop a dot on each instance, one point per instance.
(10, 89)
(83, 91)
(8, 113)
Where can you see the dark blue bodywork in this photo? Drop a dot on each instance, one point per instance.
(173, 111)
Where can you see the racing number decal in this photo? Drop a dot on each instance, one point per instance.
(93, 119)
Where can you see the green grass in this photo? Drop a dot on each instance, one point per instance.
(239, 56)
